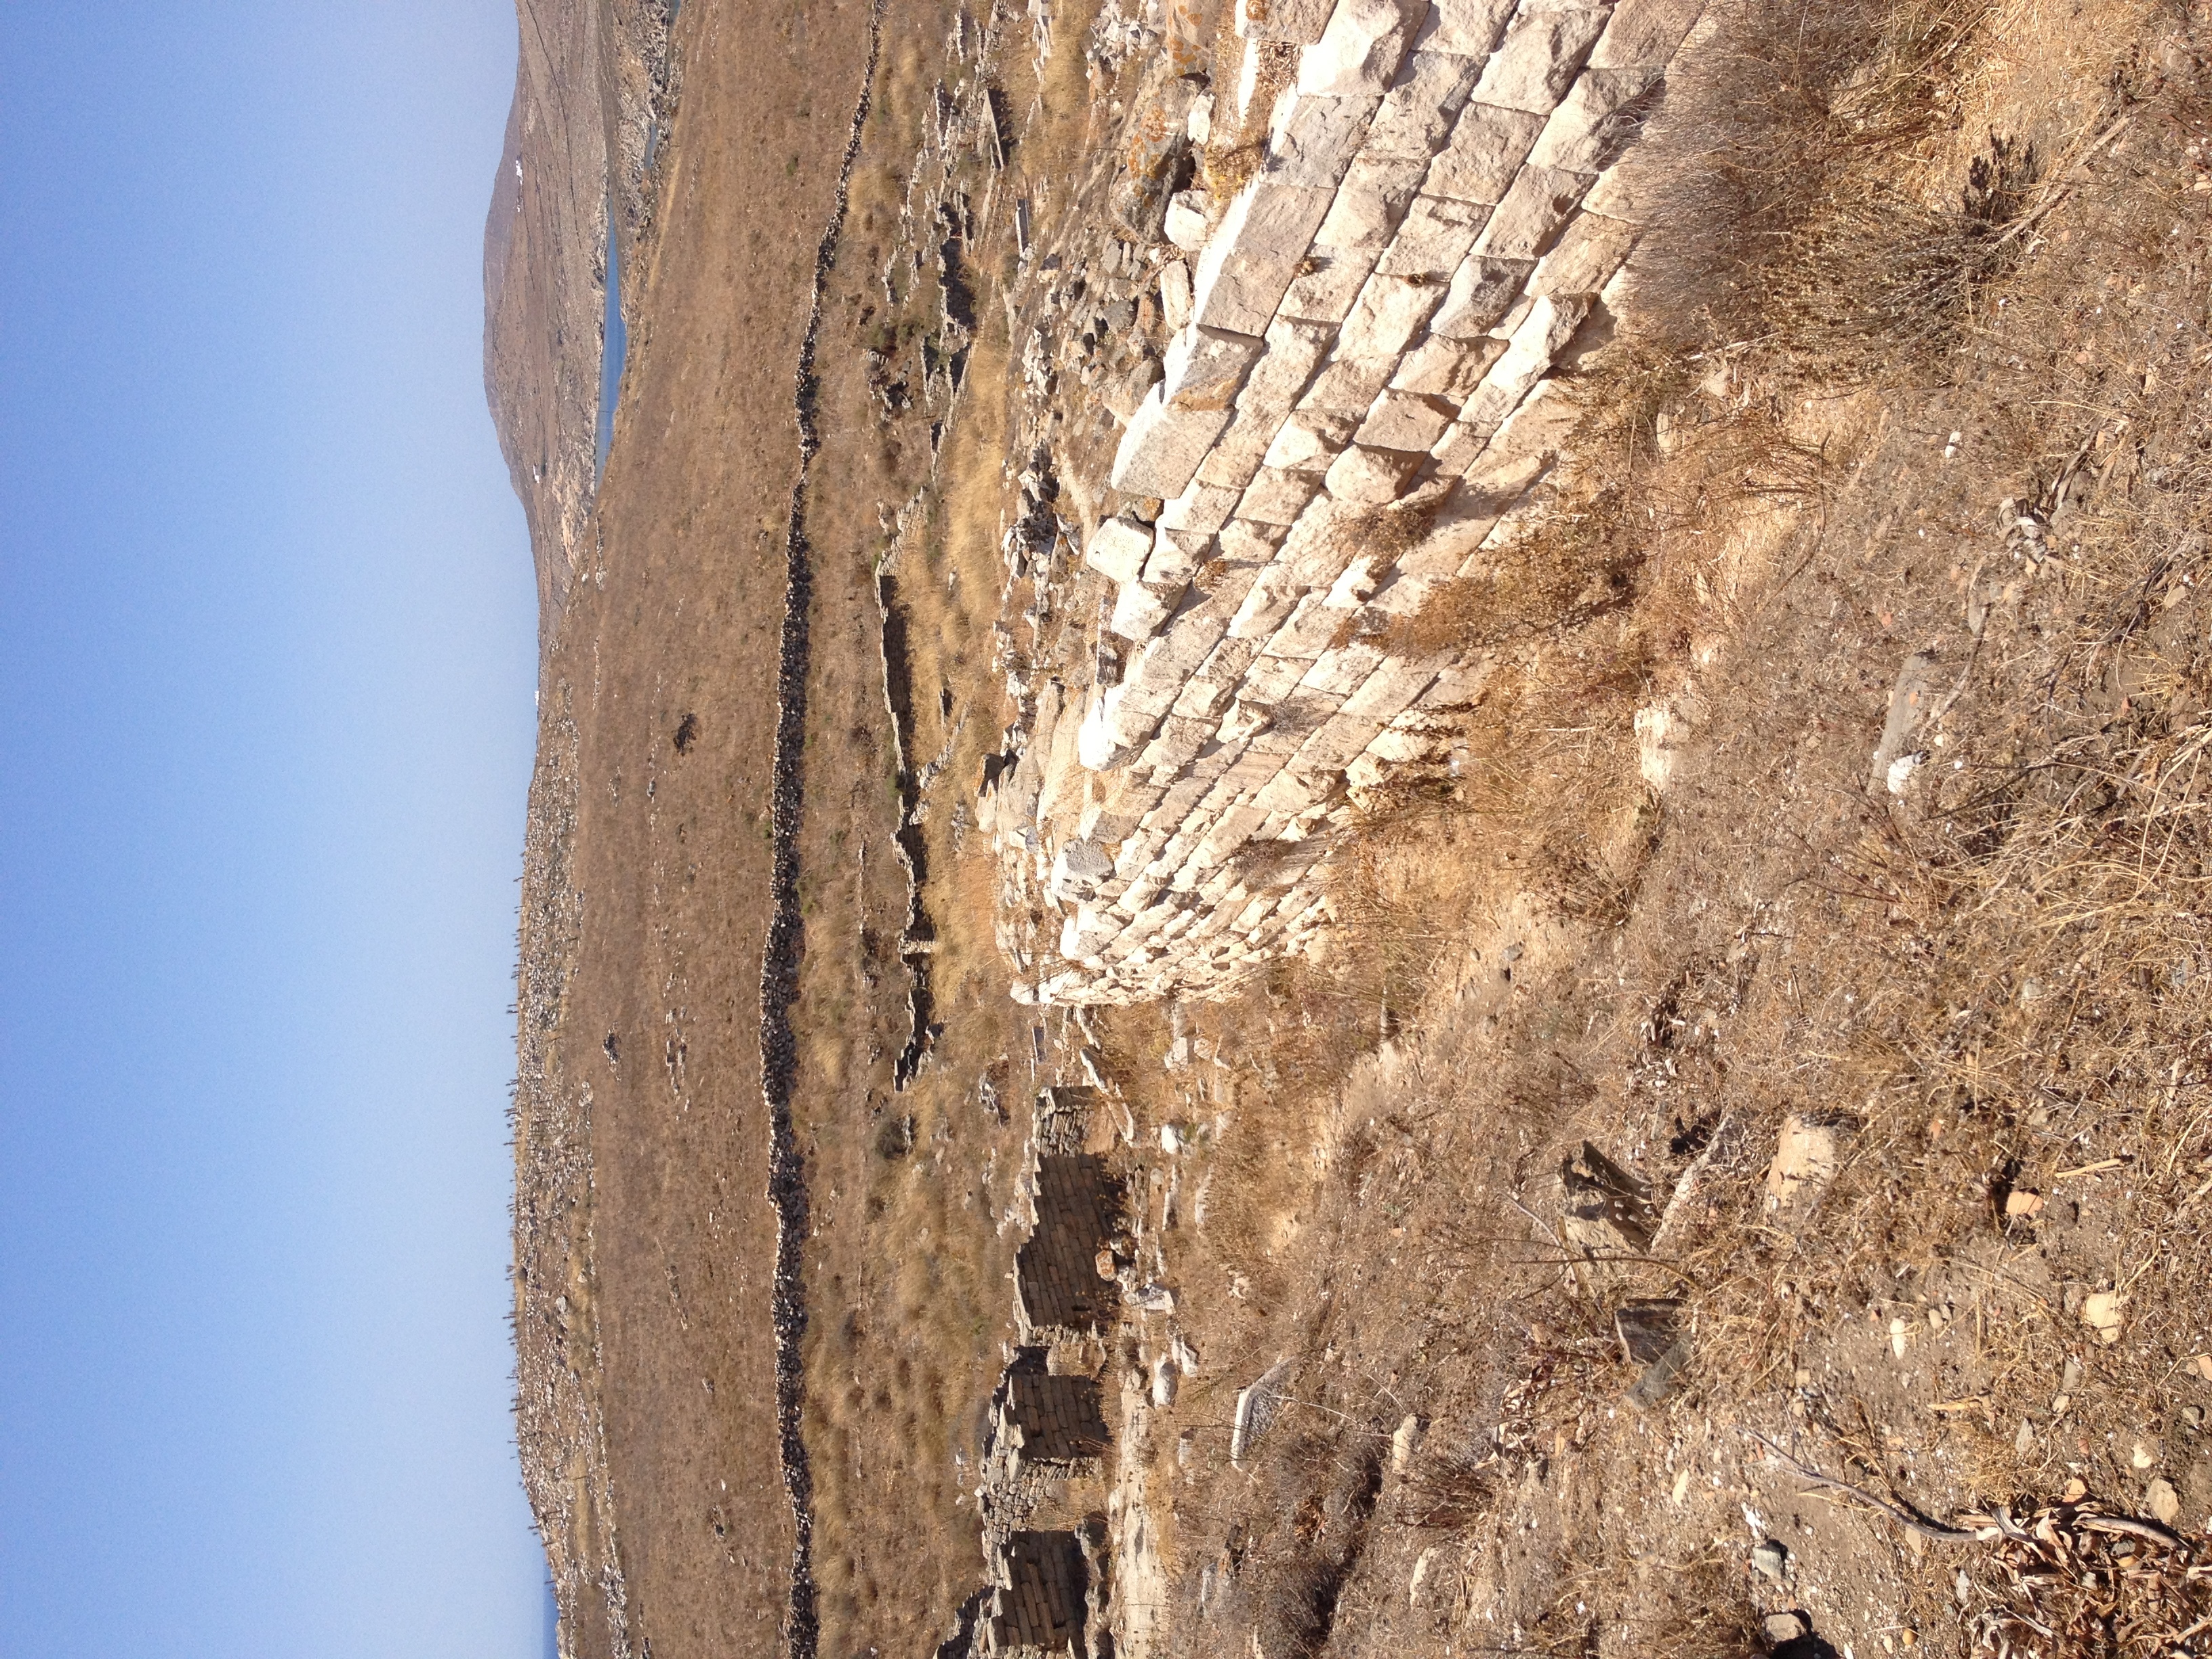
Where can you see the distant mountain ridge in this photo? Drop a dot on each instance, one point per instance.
(593, 78)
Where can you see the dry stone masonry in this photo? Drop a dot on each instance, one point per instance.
(1355, 404)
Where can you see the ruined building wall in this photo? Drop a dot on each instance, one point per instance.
(1371, 325)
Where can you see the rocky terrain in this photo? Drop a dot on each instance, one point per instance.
(1367, 825)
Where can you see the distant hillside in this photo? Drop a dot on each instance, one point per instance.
(593, 78)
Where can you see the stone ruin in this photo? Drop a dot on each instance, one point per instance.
(1038, 1604)
(1058, 1292)
(1366, 327)
(1042, 1420)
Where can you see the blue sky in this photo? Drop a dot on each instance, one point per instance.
(266, 664)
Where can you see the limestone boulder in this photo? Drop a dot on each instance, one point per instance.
(1416, 115)
(1596, 119)
(1313, 137)
(1370, 477)
(1536, 206)
(1291, 22)
(1467, 27)
(1645, 32)
(1481, 292)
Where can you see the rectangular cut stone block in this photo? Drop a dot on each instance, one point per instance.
(1312, 139)
(1360, 222)
(1138, 612)
(1306, 633)
(1204, 367)
(1445, 367)
(1251, 544)
(1211, 688)
(1161, 449)
(1266, 604)
(1551, 321)
(1348, 385)
(1271, 680)
(1596, 120)
(1118, 549)
(1435, 237)
(1405, 420)
(1203, 507)
(1175, 556)
(1468, 27)
(1416, 115)
(1253, 252)
(1292, 22)
(1175, 746)
(1311, 440)
(1359, 50)
(1341, 670)
(1538, 58)
(1645, 32)
(1591, 248)
(1391, 312)
(1537, 205)
(1482, 290)
(1488, 144)
(1294, 349)
(1278, 497)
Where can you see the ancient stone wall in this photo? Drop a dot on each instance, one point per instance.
(1357, 402)
(1038, 1418)
(1057, 1285)
(1037, 1607)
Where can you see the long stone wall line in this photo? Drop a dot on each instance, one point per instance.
(779, 960)
(1372, 323)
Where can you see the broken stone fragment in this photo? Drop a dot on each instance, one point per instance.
(1370, 478)
(1185, 222)
(2100, 1312)
(1204, 367)
(1805, 1159)
(1138, 613)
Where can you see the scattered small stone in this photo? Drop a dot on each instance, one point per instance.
(2164, 1502)
(1786, 1627)
(2019, 1204)
(1770, 1559)
(2100, 1312)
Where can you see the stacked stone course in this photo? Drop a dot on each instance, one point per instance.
(1372, 322)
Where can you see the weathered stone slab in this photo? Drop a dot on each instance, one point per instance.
(1538, 58)
(1536, 206)
(1266, 604)
(1551, 321)
(1295, 348)
(1360, 224)
(1371, 476)
(1175, 556)
(1469, 26)
(1403, 421)
(1310, 439)
(1119, 548)
(1204, 367)
(1254, 253)
(1391, 312)
(1293, 22)
(1203, 507)
(1596, 120)
(1359, 50)
(1211, 688)
(1416, 115)
(1160, 452)
(1349, 385)
(1488, 144)
(1645, 32)
(1341, 670)
(1445, 368)
(1483, 289)
(1312, 137)
(1138, 612)
(1591, 248)
(1278, 497)
(1435, 237)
